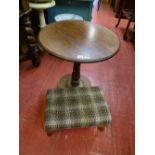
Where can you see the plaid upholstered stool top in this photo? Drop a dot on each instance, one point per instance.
(75, 107)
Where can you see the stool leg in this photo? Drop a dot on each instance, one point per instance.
(41, 18)
(127, 27)
(119, 19)
(101, 127)
(76, 75)
(98, 5)
(49, 133)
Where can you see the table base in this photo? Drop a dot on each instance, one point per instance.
(65, 82)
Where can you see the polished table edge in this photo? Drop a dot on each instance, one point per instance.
(81, 61)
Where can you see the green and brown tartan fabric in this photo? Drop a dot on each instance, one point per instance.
(75, 107)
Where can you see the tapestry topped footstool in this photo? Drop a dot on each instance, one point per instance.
(75, 108)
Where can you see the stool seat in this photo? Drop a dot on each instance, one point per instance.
(40, 1)
(38, 6)
(75, 107)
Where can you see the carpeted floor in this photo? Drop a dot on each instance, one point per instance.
(115, 76)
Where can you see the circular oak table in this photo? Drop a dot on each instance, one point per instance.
(78, 42)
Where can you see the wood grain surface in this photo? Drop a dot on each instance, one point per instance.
(79, 41)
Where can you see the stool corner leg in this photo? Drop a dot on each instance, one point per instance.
(101, 127)
(49, 133)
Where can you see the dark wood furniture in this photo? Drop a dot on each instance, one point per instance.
(127, 13)
(130, 16)
(79, 42)
(99, 4)
(117, 5)
(27, 42)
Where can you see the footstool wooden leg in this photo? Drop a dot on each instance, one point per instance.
(101, 127)
(49, 133)
(125, 33)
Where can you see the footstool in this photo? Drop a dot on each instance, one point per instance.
(75, 107)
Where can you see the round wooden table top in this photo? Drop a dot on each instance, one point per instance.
(79, 41)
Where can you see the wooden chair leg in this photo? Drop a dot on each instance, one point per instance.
(119, 19)
(99, 3)
(126, 30)
(101, 127)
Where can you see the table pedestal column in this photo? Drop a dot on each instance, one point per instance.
(75, 79)
(75, 75)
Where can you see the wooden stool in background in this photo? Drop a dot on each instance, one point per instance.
(40, 6)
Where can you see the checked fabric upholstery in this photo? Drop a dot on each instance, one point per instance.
(75, 107)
